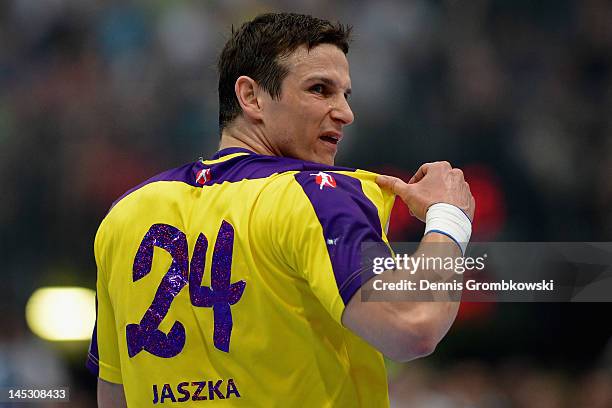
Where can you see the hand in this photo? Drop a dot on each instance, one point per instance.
(433, 183)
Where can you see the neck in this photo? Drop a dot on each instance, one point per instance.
(253, 139)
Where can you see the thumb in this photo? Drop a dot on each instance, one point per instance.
(393, 184)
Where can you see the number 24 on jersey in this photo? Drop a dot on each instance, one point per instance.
(220, 296)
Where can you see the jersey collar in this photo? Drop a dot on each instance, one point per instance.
(231, 150)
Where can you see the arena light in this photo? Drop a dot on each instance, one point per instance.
(61, 313)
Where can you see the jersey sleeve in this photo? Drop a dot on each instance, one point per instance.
(326, 224)
(103, 356)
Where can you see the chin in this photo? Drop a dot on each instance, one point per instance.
(325, 161)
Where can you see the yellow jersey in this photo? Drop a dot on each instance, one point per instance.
(223, 283)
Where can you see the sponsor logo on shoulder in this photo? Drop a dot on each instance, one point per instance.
(324, 180)
(203, 176)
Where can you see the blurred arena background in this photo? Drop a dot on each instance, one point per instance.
(97, 96)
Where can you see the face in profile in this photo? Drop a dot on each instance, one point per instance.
(307, 121)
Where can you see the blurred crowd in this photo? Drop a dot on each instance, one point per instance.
(472, 384)
(97, 96)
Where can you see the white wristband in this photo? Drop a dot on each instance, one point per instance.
(449, 220)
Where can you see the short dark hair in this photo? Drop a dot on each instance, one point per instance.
(255, 50)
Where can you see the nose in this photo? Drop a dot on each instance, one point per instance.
(341, 111)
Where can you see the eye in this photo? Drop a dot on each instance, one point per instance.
(318, 88)
(347, 96)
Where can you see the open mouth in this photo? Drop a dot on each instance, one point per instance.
(329, 139)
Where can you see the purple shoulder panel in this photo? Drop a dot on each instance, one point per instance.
(349, 219)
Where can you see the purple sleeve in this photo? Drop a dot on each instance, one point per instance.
(348, 219)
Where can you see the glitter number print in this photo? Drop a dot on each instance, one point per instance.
(220, 296)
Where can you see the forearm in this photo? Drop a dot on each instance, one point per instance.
(110, 395)
(438, 312)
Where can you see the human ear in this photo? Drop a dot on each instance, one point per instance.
(247, 92)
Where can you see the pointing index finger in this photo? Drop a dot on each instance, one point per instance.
(421, 172)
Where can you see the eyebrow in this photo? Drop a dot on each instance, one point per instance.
(328, 82)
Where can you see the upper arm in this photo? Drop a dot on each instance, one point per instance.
(325, 229)
(405, 330)
(398, 329)
(322, 235)
(103, 356)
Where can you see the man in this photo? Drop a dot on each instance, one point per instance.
(236, 280)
